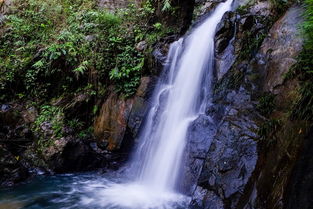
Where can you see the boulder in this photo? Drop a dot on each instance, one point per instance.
(231, 156)
(69, 154)
(11, 169)
(281, 48)
(110, 124)
(118, 115)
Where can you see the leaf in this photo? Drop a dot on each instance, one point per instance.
(166, 6)
(38, 65)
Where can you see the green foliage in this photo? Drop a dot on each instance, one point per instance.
(243, 9)
(86, 133)
(52, 46)
(303, 108)
(54, 119)
(157, 26)
(266, 104)
(251, 43)
(281, 5)
(75, 124)
(166, 5)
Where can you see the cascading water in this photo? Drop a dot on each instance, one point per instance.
(179, 98)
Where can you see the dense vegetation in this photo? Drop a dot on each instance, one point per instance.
(49, 48)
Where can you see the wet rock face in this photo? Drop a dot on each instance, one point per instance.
(299, 192)
(277, 54)
(199, 140)
(225, 32)
(11, 169)
(234, 175)
(140, 105)
(240, 33)
(232, 155)
(21, 157)
(110, 125)
(224, 47)
(70, 154)
(281, 48)
(119, 117)
(14, 137)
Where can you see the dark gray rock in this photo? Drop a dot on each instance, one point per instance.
(225, 50)
(200, 136)
(235, 175)
(12, 170)
(225, 32)
(232, 156)
(72, 155)
(204, 199)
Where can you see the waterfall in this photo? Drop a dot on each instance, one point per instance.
(179, 98)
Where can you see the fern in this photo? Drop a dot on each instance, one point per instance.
(166, 5)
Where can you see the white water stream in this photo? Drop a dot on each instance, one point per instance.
(178, 100)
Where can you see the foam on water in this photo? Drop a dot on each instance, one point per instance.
(132, 196)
